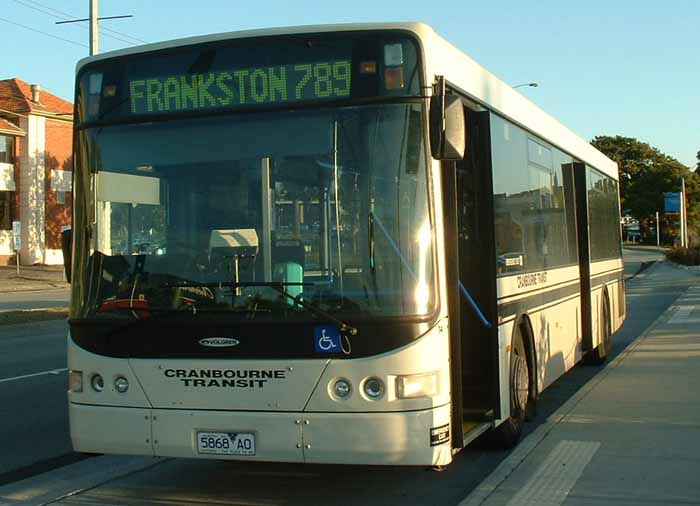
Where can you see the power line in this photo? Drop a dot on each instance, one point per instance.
(62, 17)
(70, 16)
(65, 15)
(43, 33)
(88, 19)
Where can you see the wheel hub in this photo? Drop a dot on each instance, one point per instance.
(521, 382)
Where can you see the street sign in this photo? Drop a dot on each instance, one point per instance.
(672, 202)
(17, 235)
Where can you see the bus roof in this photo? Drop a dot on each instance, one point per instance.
(440, 56)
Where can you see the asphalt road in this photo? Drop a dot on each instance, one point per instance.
(12, 301)
(33, 431)
(33, 382)
(635, 257)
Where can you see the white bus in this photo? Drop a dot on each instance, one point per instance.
(329, 244)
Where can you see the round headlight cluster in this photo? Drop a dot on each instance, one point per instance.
(121, 384)
(374, 388)
(98, 384)
(342, 388)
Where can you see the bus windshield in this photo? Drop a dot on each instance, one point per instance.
(198, 214)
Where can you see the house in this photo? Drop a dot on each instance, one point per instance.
(36, 132)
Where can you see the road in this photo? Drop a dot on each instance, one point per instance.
(33, 428)
(636, 257)
(12, 301)
(33, 381)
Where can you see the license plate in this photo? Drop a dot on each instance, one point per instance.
(226, 443)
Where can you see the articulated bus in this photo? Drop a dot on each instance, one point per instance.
(330, 244)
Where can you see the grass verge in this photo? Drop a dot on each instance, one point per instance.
(33, 315)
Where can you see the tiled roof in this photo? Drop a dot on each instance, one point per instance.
(8, 128)
(16, 96)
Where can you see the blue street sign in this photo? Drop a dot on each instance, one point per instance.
(672, 202)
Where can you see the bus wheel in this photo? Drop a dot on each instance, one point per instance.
(599, 355)
(508, 433)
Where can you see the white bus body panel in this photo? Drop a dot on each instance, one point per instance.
(297, 422)
(288, 392)
(616, 310)
(107, 429)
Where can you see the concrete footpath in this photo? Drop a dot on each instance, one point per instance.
(630, 436)
(31, 277)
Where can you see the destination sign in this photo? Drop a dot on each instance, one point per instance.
(296, 82)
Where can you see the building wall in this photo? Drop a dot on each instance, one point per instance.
(31, 194)
(43, 166)
(7, 253)
(58, 157)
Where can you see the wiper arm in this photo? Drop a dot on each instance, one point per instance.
(280, 287)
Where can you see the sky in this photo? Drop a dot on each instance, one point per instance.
(604, 67)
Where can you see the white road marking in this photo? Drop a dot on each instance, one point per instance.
(557, 475)
(53, 372)
(682, 315)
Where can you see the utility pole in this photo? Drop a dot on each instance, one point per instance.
(658, 244)
(94, 25)
(94, 30)
(684, 217)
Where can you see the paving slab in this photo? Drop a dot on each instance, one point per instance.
(639, 420)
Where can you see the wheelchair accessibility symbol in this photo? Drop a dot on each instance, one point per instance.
(327, 339)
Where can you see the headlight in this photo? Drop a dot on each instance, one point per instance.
(342, 388)
(98, 384)
(374, 388)
(417, 385)
(121, 384)
(75, 381)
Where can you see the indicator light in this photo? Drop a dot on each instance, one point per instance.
(368, 67)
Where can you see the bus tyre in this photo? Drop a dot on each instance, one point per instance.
(599, 355)
(508, 433)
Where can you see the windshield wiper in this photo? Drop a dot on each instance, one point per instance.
(278, 286)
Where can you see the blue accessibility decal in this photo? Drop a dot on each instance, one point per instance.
(327, 339)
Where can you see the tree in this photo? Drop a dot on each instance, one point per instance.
(697, 168)
(645, 174)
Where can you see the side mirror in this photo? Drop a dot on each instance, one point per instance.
(448, 135)
(67, 247)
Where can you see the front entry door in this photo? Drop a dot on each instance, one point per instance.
(477, 273)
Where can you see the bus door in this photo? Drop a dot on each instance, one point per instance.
(471, 250)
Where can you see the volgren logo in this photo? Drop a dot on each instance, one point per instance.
(219, 342)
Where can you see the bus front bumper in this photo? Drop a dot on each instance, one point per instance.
(396, 438)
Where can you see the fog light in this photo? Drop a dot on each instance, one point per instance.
(342, 388)
(417, 385)
(97, 383)
(75, 381)
(374, 388)
(121, 384)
